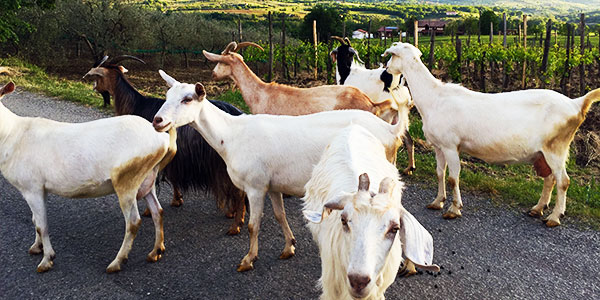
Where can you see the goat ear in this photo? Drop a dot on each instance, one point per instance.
(123, 70)
(387, 185)
(170, 80)
(200, 92)
(7, 89)
(337, 203)
(212, 56)
(417, 243)
(98, 71)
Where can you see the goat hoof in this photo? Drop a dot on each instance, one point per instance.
(408, 171)
(243, 267)
(147, 213)
(153, 257)
(535, 213)
(113, 267)
(45, 265)
(234, 230)
(34, 250)
(552, 223)
(287, 254)
(450, 215)
(436, 206)
(176, 202)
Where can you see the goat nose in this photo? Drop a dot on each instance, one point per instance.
(358, 282)
(157, 120)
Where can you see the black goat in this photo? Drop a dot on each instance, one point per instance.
(196, 166)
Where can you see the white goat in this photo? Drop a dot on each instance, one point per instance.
(266, 153)
(357, 230)
(119, 155)
(378, 84)
(533, 126)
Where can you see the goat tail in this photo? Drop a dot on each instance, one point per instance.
(586, 101)
(171, 150)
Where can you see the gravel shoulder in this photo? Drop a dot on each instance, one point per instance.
(491, 252)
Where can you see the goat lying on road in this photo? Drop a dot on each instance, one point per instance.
(119, 155)
(534, 126)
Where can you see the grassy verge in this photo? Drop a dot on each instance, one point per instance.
(514, 185)
(34, 79)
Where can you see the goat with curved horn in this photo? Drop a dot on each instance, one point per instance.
(339, 39)
(230, 47)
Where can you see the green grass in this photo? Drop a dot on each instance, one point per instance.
(235, 98)
(35, 79)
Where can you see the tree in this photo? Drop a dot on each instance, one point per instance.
(329, 22)
(10, 24)
(488, 17)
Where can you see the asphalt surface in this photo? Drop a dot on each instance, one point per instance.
(491, 252)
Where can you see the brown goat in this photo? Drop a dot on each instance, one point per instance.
(279, 99)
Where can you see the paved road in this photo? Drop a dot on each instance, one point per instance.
(491, 252)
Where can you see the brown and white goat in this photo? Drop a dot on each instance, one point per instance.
(119, 155)
(279, 99)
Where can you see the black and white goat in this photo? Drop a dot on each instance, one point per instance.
(378, 84)
(196, 166)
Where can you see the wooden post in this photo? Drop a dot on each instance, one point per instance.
(520, 34)
(399, 35)
(525, 48)
(459, 57)
(343, 28)
(546, 52)
(504, 32)
(240, 36)
(431, 49)
(315, 41)
(284, 66)
(384, 37)
(479, 28)
(582, 52)
(491, 33)
(563, 80)
(270, 48)
(329, 61)
(369, 45)
(416, 25)
(555, 37)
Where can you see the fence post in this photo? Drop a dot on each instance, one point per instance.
(369, 45)
(582, 52)
(563, 81)
(284, 66)
(524, 48)
(270, 48)
(491, 33)
(315, 41)
(504, 32)
(240, 36)
(459, 57)
(546, 52)
(416, 29)
(329, 61)
(431, 49)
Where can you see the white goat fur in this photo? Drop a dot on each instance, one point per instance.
(266, 153)
(366, 248)
(82, 160)
(533, 126)
(369, 82)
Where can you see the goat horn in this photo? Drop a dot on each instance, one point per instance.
(357, 57)
(243, 45)
(341, 40)
(118, 59)
(103, 60)
(347, 40)
(230, 47)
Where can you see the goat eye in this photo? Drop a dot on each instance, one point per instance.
(344, 222)
(186, 100)
(392, 232)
